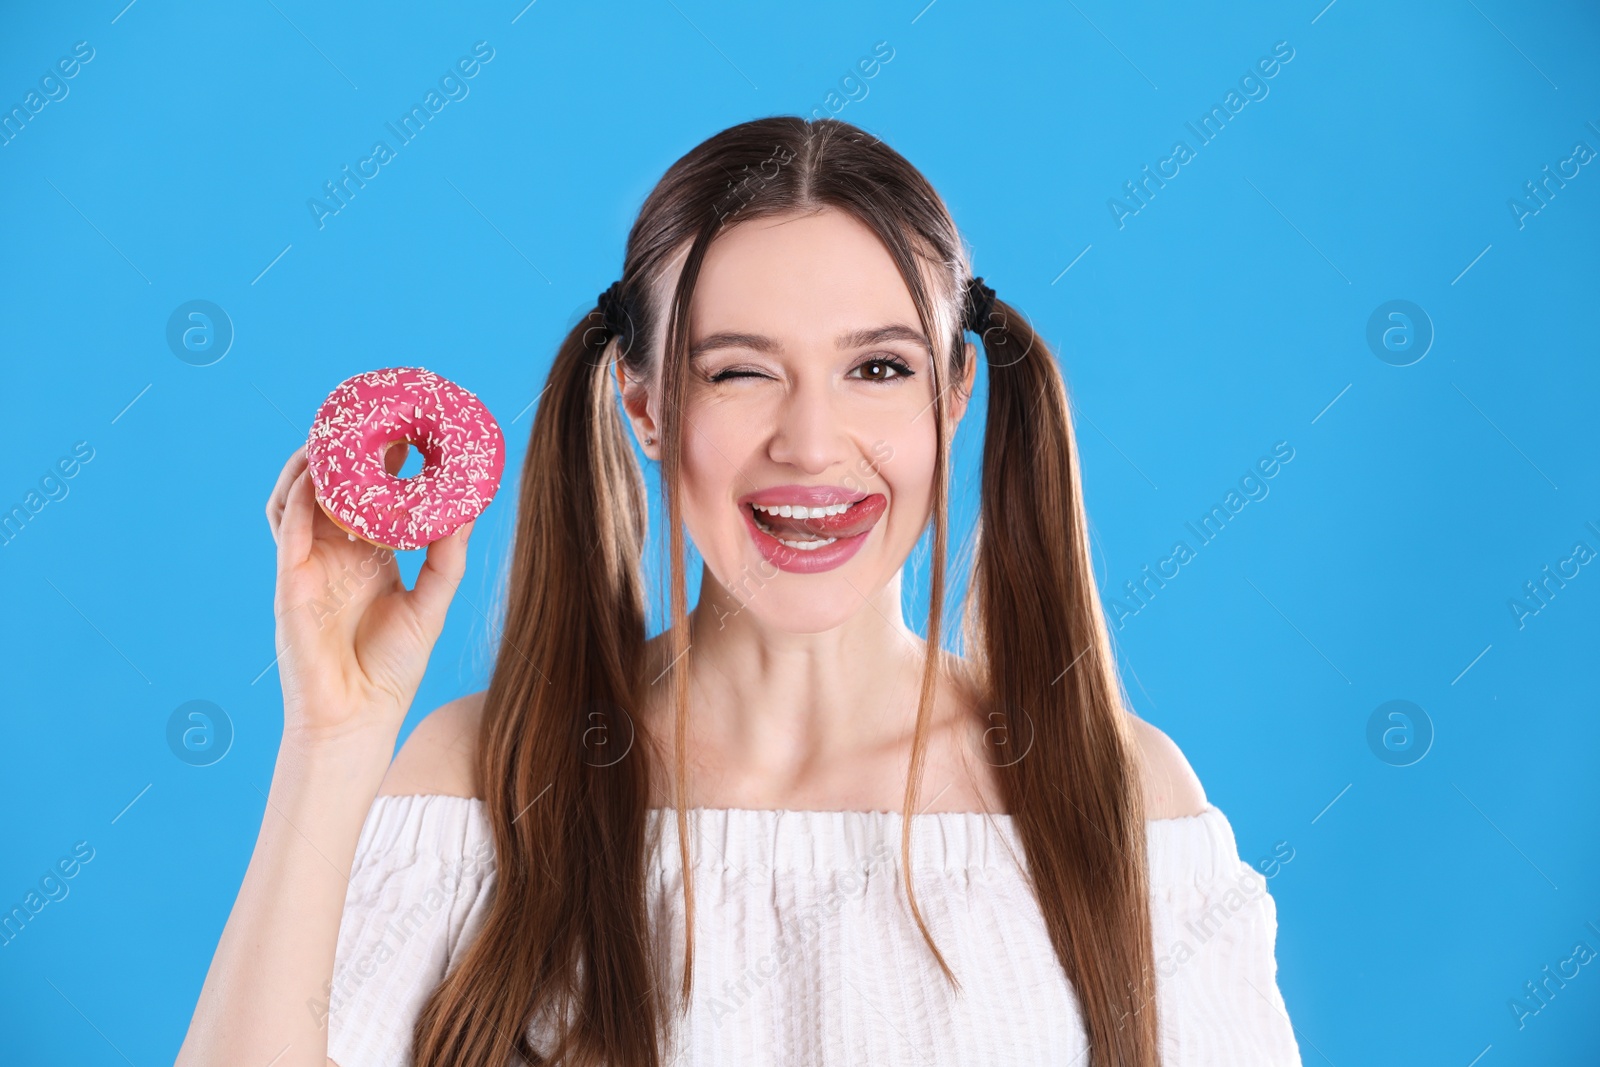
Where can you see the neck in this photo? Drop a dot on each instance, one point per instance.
(773, 712)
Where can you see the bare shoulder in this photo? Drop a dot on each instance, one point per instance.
(440, 755)
(1171, 788)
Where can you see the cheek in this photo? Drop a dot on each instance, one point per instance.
(905, 463)
(716, 453)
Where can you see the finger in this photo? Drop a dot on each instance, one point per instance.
(323, 528)
(441, 573)
(291, 471)
(295, 530)
(395, 456)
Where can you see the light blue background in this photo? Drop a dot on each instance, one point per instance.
(1227, 315)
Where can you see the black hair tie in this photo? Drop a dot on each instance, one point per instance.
(613, 315)
(980, 302)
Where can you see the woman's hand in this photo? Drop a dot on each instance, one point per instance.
(352, 640)
(352, 645)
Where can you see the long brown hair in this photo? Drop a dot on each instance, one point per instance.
(567, 937)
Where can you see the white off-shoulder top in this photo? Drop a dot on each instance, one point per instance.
(807, 954)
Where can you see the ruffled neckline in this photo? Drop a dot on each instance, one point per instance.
(1182, 850)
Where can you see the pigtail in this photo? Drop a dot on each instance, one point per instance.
(565, 790)
(1066, 756)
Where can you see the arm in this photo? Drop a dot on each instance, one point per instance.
(276, 951)
(350, 665)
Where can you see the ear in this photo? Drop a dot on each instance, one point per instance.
(963, 391)
(638, 402)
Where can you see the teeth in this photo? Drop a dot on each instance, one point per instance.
(803, 546)
(807, 546)
(800, 511)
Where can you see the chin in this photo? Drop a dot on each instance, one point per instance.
(761, 595)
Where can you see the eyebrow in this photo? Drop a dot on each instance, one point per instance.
(861, 338)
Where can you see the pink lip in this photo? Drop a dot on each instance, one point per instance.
(869, 510)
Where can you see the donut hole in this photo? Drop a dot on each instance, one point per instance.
(403, 459)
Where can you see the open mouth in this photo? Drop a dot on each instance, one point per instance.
(806, 529)
(809, 529)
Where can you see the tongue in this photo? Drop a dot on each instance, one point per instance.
(858, 519)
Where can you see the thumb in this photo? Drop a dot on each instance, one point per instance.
(441, 573)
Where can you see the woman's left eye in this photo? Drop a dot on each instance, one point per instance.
(899, 368)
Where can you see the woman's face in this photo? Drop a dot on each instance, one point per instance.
(810, 387)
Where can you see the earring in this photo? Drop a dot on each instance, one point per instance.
(649, 440)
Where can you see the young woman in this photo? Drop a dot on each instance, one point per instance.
(884, 853)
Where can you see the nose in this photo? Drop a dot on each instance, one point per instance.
(810, 434)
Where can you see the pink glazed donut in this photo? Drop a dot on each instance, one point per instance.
(462, 450)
